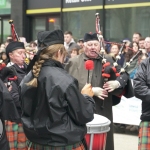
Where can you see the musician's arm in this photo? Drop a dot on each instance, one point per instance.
(141, 82)
(123, 80)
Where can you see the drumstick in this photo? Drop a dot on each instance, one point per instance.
(89, 65)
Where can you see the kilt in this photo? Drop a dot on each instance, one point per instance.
(15, 135)
(144, 136)
(4, 145)
(33, 146)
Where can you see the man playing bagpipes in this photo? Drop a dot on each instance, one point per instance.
(8, 109)
(107, 87)
(109, 82)
(16, 53)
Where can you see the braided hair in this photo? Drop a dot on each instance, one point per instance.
(48, 53)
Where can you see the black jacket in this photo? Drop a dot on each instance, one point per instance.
(55, 113)
(141, 83)
(8, 111)
(20, 73)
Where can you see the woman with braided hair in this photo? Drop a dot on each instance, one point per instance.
(55, 113)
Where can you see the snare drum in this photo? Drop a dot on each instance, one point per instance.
(97, 132)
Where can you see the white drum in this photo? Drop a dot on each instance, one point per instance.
(97, 132)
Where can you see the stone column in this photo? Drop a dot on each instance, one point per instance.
(18, 15)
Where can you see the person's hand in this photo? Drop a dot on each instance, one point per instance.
(9, 88)
(111, 85)
(99, 92)
(144, 51)
(87, 89)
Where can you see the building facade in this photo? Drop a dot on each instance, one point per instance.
(119, 19)
(5, 11)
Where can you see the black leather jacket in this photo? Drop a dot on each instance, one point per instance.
(141, 83)
(55, 113)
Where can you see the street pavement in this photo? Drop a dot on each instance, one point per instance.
(125, 139)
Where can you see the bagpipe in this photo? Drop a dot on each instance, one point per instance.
(7, 75)
(108, 72)
(111, 72)
(15, 37)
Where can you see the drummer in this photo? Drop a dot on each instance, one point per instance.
(103, 93)
(55, 113)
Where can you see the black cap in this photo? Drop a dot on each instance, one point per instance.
(74, 45)
(14, 46)
(90, 37)
(81, 40)
(47, 38)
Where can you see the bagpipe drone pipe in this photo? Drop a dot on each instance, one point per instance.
(15, 37)
(7, 74)
(112, 71)
(109, 71)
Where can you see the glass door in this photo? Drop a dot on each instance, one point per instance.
(53, 23)
(39, 24)
(44, 23)
(5, 29)
(0, 31)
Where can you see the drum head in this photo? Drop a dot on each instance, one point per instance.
(99, 120)
(99, 124)
(1, 129)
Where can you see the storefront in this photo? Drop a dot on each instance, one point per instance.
(5, 8)
(119, 19)
(77, 16)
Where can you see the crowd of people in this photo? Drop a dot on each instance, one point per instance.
(48, 91)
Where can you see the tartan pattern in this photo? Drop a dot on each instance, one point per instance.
(15, 135)
(33, 146)
(144, 136)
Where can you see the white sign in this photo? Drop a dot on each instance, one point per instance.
(128, 111)
(77, 1)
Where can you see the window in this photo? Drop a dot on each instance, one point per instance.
(80, 22)
(122, 23)
(5, 6)
(43, 23)
(53, 23)
(39, 24)
(6, 29)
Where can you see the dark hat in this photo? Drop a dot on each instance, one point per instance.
(14, 46)
(47, 38)
(90, 37)
(81, 40)
(73, 45)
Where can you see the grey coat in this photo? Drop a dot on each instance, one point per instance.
(76, 68)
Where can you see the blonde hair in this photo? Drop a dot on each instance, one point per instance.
(48, 53)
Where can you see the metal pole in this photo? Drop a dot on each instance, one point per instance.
(61, 15)
(103, 14)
